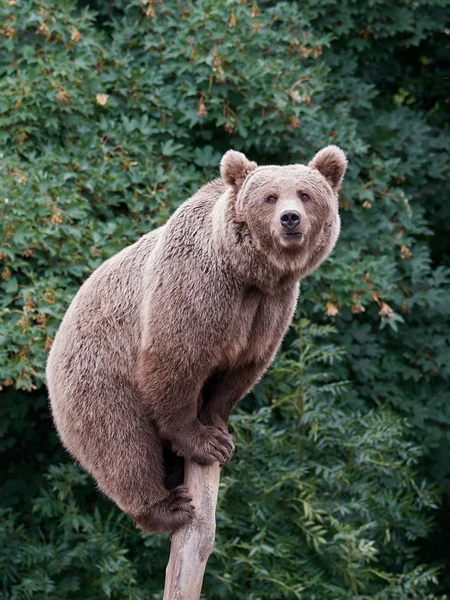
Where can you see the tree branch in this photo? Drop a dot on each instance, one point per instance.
(193, 544)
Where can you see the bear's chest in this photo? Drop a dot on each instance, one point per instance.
(252, 330)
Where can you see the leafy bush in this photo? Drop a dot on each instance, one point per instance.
(332, 512)
(111, 114)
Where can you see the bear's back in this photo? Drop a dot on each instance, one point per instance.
(101, 329)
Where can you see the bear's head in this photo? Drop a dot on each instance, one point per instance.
(290, 212)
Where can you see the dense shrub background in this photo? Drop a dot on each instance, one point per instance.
(111, 114)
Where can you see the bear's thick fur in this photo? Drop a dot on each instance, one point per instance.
(165, 337)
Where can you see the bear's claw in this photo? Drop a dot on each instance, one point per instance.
(208, 445)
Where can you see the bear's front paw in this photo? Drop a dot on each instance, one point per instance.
(207, 445)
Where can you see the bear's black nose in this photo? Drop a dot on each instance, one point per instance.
(290, 219)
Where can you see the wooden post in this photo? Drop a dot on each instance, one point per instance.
(192, 545)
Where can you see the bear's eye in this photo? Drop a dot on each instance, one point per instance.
(304, 197)
(271, 199)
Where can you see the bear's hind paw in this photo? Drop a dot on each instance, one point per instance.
(170, 514)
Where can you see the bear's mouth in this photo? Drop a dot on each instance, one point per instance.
(292, 235)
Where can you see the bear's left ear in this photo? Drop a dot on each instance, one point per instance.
(234, 168)
(331, 162)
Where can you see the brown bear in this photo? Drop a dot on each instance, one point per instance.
(165, 337)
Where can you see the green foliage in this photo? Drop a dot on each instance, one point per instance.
(111, 114)
(333, 513)
(320, 520)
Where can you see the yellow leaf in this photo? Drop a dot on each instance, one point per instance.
(405, 252)
(332, 309)
(202, 112)
(76, 35)
(102, 99)
(385, 310)
(62, 96)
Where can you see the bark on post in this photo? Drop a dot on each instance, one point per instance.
(192, 545)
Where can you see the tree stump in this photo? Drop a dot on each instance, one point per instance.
(192, 545)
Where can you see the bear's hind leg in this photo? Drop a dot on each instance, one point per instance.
(139, 488)
(122, 449)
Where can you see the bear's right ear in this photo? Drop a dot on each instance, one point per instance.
(234, 168)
